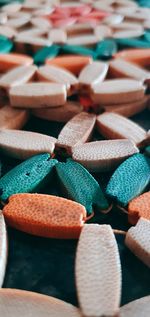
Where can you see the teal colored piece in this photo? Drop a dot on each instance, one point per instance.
(147, 150)
(147, 36)
(81, 186)
(129, 180)
(5, 45)
(80, 50)
(46, 52)
(27, 177)
(106, 49)
(128, 42)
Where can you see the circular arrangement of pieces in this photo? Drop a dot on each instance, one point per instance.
(83, 66)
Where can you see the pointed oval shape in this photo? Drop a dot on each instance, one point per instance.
(81, 186)
(98, 270)
(17, 76)
(6, 45)
(51, 73)
(105, 49)
(27, 176)
(73, 63)
(114, 126)
(46, 52)
(130, 179)
(138, 241)
(136, 55)
(45, 215)
(13, 301)
(121, 68)
(93, 74)
(138, 308)
(13, 118)
(77, 131)
(60, 114)
(100, 156)
(38, 95)
(114, 91)
(139, 207)
(24, 144)
(3, 248)
(8, 61)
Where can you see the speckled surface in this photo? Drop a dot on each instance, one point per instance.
(47, 266)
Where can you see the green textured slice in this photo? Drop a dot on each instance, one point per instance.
(130, 179)
(106, 49)
(5, 45)
(76, 49)
(147, 36)
(46, 52)
(27, 177)
(81, 186)
(128, 42)
(147, 150)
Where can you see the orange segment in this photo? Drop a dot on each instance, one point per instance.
(139, 207)
(139, 56)
(45, 215)
(8, 61)
(73, 63)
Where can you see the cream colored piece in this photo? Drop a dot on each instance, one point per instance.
(121, 68)
(7, 31)
(58, 75)
(36, 42)
(60, 114)
(104, 6)
(128, 109)
(79, 28)
(138, 240)
(58, 36)
(93, 74)
(3, 248)
(83, 40)
(101, 156)
(113, 19)
(115, 126)
(98, 271)
(118, 91)
(22, 303)
(17, 76)
(138, 308)
(128, 26)
(12, 7)
(12, 118)
(19, 21)
(41, 23)
(146, 24)
(31, 32)
(45, 10)
(128, 33)
(38, 95)
(102, 31)
(3, 18)
(24, 144)
(77, 131)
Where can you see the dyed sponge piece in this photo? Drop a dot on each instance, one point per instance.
(130, 179)
(45, 215)
(139, 207)
(81, 186)
(27, 176)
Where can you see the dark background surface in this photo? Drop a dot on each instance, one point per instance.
(47, 265)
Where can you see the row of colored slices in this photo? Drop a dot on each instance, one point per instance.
(97, 251)
(85, 64)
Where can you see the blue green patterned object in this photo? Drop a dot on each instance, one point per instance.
(129, 180)
(27, 177)
(77, 49)
(133, 42)
(147, 150)
(106, 49)
(44, 53)
(81, 186)
(5, 45)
